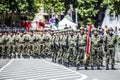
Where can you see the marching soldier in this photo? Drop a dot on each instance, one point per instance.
(6, 47)
(46, 40)
(26, 39)
(21, 43)
(16, 40)
(71, 49)
(66, 46)
(96, 47)
(81, 43)
(53, 46)
(1, 45)
(11, 45)
(36, 45)
(32, 50)
(110, 41)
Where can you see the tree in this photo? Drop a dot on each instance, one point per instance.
(87, 9)
(113, 5)
(57, 5)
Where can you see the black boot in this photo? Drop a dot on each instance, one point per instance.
(112, 67)
(77, 67)
(98, 67)
(86, 68)
(107, 67)
(92, 67)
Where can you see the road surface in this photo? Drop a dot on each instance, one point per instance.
(37, 69)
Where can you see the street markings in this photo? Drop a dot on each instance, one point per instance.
(36, 69)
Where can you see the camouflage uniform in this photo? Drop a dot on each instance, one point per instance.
(12, 46)
(16, 40)
(60, 53)
(81, 42)
(96, 49)
(6, 47)
(71, 49)
(1, 45)
(46, 40)
(22, 43)
(26, 39)
(110, 41)
(53, 48)
(65, 47)
(36, 45)
(32, 50)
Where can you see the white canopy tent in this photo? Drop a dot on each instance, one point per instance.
(66, 23)
(111, 21)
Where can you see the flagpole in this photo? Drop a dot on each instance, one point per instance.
(76, 16)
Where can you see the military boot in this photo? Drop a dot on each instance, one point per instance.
(107, 67)
(98, 67)
(86, 67)
(92, 67)
(112, 67)
(77, 67)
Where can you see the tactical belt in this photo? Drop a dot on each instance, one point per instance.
(110, 46)
(96, 45)
(81, 45)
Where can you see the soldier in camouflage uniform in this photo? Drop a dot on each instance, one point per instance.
(42, 42)
(96, 49)
(81, 44)
(36, 41)
(71, 50)
(60, 52)
(32, 51)
(11, 45)
(21, 43)
(6, 47)
(26, 39)
(1, 45)
(53, 46)
(46, 41)
(16, 40)
(110, 41)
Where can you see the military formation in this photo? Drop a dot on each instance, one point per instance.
(67, 47)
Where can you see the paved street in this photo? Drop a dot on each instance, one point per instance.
(101, 74)
(36, 69)
(44, 69)
(3, 62)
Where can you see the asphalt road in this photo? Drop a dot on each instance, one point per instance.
(4, 62)
(44, 69)
(101, 74)
(37, 69)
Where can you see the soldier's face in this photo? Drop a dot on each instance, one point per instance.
(95, 32)
(82, 31)
(110, 31)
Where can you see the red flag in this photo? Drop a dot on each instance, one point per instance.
(88, 40)
(41, 25)
(28, 25)
(23, 24)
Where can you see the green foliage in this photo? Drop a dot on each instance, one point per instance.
(113, 5)
(30, 7)
(57, 5)
(87, 9)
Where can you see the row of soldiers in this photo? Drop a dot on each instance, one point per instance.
(65, 47)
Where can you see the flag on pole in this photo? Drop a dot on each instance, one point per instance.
(28, 25)
(88, 40)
